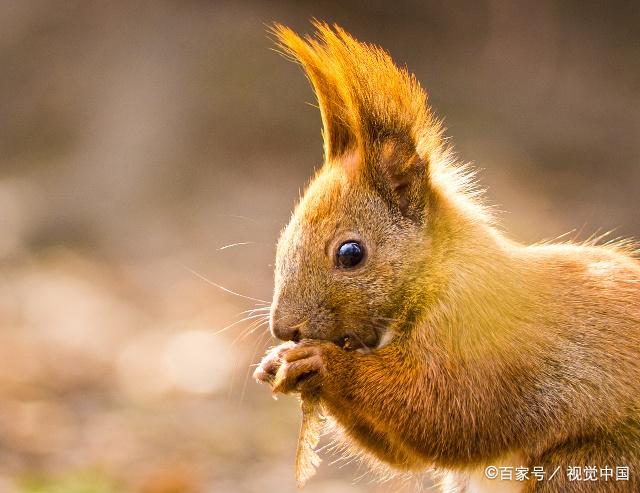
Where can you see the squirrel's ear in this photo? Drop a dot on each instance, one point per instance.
(400, 175)
(376, 121)
(337, 134)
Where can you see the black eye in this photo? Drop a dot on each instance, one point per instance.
(349, 254)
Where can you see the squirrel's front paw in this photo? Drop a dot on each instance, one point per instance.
(298, 368)
(304, 367)
(271, 362)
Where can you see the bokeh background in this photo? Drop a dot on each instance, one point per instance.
(139, 139)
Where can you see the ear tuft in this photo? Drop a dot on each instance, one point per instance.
(337, 132)
(364, 98)
(376, 121)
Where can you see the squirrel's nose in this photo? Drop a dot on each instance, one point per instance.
(283, 327)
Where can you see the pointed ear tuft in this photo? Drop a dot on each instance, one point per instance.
(337, 131)
(375, 115)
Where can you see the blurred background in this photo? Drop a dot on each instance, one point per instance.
(139, 139)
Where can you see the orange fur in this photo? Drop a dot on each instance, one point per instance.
(473, 347)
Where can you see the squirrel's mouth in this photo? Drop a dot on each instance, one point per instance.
(359, 342)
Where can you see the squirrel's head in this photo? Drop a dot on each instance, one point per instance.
(347, 262)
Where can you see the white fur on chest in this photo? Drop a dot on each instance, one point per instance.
(475, 480)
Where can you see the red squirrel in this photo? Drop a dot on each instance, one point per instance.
(427, 335)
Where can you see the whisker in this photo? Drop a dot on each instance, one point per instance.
(248, 373)
(247, 218)
(249, 317)
(262, 324)
(261, 309)
(225, 289)
(247, 330)
(238, 216)
(234, 366)
(258, 320)
(240, 243)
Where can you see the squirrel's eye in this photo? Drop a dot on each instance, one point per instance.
(349, 254)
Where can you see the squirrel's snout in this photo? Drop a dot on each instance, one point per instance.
(285, 332)
(283, 328)
(288, 334)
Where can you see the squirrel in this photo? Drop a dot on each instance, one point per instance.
(431, 338)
